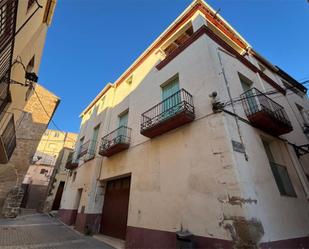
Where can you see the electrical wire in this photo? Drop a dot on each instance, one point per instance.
(47, 114)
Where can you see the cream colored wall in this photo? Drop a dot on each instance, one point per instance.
(62, 143)
(282, 217)
(34, 176)
(152, 190)
(186, 177)
(28, 42)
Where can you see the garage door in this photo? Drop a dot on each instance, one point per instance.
(115, 208)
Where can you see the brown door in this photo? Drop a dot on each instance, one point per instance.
(57, 200)
(115, 208)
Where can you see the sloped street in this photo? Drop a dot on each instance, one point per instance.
(41, 231)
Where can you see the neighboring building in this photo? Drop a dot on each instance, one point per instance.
(159, 154)
(25, 107)
(46, 160)
(59, 175)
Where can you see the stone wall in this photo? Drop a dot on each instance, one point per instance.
(29, 129)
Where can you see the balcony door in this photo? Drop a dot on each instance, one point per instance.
(123, 121)
(170, 99)
(246, 85)
(93, 142)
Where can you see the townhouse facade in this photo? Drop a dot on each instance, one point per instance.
(201, 142)
(40, 180)
(59, 174)
(26, 107)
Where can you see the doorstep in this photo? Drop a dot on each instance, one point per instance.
(114, 242)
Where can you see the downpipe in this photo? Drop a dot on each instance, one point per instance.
(231, 99)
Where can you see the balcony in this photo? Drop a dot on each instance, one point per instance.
(169, 114)
(116, 141)
(265, 114)
(87, 150)
(7, 141)
(71, 162)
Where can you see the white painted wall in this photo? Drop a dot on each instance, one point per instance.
(186, 177)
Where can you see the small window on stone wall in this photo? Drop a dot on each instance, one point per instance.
(43, 171)
(74, 176)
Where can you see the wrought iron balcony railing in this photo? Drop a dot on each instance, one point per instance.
(264, 113)
(116, 141)
(8, 141)
(71, 162)
(88, 149)
(172, 112)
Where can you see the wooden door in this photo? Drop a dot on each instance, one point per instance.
(57, 200)
(115, 208)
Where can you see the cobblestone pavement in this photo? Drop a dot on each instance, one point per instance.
(41, 231)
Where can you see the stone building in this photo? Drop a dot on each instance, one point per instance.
(202, 138)
(26, 107)
(45, 170)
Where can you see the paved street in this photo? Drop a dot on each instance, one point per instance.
(41, 231)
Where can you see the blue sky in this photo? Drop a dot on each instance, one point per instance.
(92, 42)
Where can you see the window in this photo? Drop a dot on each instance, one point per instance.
(52, 146)
(262, 67)
(292, 88)
(280, 173)
(43, 171)
(81, 141)
(304, 114)
(74, 176)
(30, 3)
(95, 110)
(102, 102)
(123, 121)
(246, 83)
(123, 118)
(170, 97)
(130, 80)
(92, 146)
(50, 6)
(56, 134)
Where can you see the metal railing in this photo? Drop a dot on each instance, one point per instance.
(88, 148)
(178, 102)
(255, 101)
(8, 12)
(121, 135)
(71, 160)
(8, 137)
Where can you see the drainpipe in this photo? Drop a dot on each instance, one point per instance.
(101, 163)
(230, 97)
